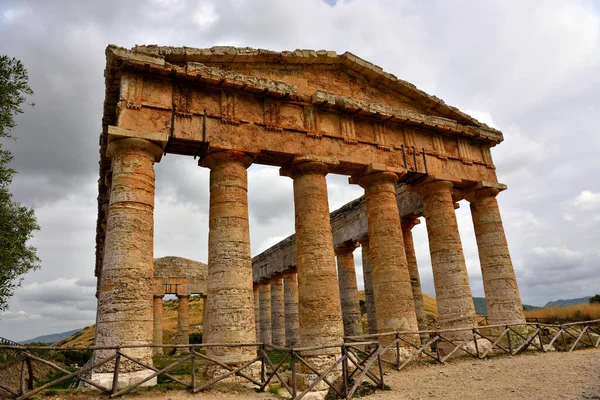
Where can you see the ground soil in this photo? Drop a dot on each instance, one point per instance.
(528, 376)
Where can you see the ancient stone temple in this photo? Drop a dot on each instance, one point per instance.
(310, 113)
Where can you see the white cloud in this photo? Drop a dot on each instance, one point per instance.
(586, 200)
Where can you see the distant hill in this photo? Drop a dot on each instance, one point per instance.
(51, 338)
(481, 306)
(568, 302)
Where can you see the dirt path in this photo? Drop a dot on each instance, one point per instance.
(529, 376)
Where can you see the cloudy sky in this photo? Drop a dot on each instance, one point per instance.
(530, 68)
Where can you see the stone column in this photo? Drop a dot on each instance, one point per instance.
(229, 281)
(318, 295)
(204, 313)
(453, 293)
(368, 281)
(413, 269)
(183, 321)
(125, 310)
(348, 290)
(158, 325)
(499, 280)
(265, 311)
(256, 311)
(277, 313)
(391, 282)
(290, 299)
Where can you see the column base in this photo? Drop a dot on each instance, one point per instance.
(105, 379)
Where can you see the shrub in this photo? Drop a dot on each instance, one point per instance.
(595, 299)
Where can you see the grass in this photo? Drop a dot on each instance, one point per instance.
(574, 313)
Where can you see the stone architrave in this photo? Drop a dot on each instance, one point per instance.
(391, 281)
(256, 293)
(319, 307)
(290, 298)
(158, 326)
(413, 269)
(183, 321)
(499, 280)
(128, 262)
(453, 293)
(229, 281)
(368, 282)
(348, 290)
(265, 311)
(277, 312)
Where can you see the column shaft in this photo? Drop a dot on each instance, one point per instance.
(499, 280)
(256, 292)
(318, 295)
(158, 325)
(277, 312)
(231, 303)
(368, 281)
(125, 299)
(391, 281)
(290, 294)
(348, 291)
(265, 311)
(453, 293)
(183, 321)
(413, 270)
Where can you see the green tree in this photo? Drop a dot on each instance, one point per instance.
(17, 223)
(595, 299)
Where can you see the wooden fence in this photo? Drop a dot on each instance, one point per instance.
(359, 359)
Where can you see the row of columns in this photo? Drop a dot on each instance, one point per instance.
(230, 312)
(183, 321)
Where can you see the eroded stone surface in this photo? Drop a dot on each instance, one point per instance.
(265, 311)
(290, 292)
(368, 282)
(277, 312)
(348, 290)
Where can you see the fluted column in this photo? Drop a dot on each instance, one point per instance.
(256, 292)
(204, 312)
(125, 299)
(318, 295)
(229, 281)
(265, 311)
(453, 293)
(158, 325)
(183, 320)
(290, 296)
(277, 313)
(368, 282)
(348, 290)
(499, 280)
(391, 281)
(413, 269)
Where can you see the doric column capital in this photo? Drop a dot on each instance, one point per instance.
(364, 241)
(134, 145)
(308, 164)
(408, 223)
(347, 248)
(225, 156)
(479, 194)
(433, 186)
(367, 180)
(180, 296)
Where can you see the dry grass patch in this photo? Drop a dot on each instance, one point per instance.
(576, 312)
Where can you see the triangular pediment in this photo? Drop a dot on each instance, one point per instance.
(344, 75)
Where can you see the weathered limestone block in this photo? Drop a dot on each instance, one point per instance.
(125, 298)
(499, 280)
(413, 269)
(277, 312)
(229, 282)
(368, 282)
(256, 292)
(348, 290)
(453, 293)
(290, 294)
(265, 311)
(391, 281)
(183, 321)
(318, 295)
(158, 327)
